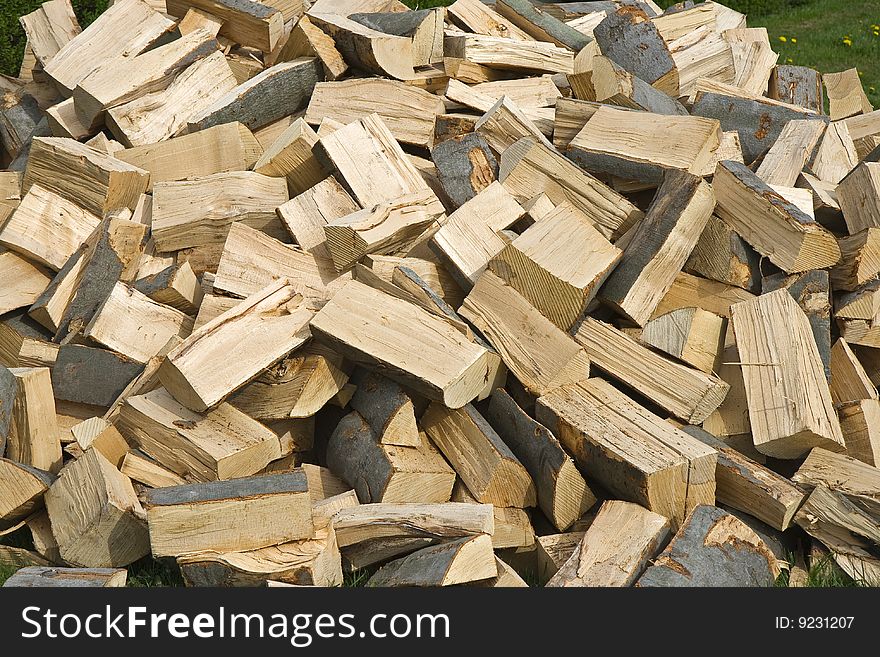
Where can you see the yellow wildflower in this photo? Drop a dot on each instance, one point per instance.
(793, 40)
(783, 39)
(789, 60)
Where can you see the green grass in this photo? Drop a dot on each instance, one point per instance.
(825, 573)
(6, 572)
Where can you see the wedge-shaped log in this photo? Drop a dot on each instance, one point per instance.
(134, 77)
(793, 148)
(23, 487)
(660, 246)
(859, 422)
(104, 437)
(777, 229)
(213, 362)
(223, 148)
(504, 123)
(465, 165)
(308, 40)
(836, 155)
(456, 562)
(641, 146)
(96, 516)
(797, 85)
(510, 54)
(370, 162)
(713, 548)
(683, 391)
(857, 480)
(790, 406)
(26, 281)
(46, 576)
(750, 487)
(543, 264)
(562, 493)
(849, 381)
(541, 25)
(486, 465)
(614, 85)
(124, 30)
(385, 473)
(23, 343)
(701, 54)
(33, 438)
(859, 194)
(479, 18)
(95, 181)
(846, 96)
(176, 286)
(722, 255)
(423, 27)
(191, 213)
(552, 551)
(159, 115)
(629, 450)
(529, 167)
(616, 548)
(387, 408)
(290, 156)
(268, 96)
(85, 375)
(370, 327)
(241, 514)
(305, 215)
(695, 292)
(49, 28)
(246, 22)
(367, 49)
(692, 335)
(538, 353)
(222, 444)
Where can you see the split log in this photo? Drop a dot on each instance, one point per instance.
(290, 156)
(793, 148)
(846, 97)
(722, 255)
(562, 493)
(195, 19)
(308, 40)
(49, 28)
(99, 434)
(641, 146)
(96, 516)
(246, 22)
(486, 465)
(387, 473)
(423, 27)
(619, 443)
(683, 391)
(790, 406)
(223, 148)
(507, 578)
(859, 194)
(23, 488)
(305, 215)
(792, 240)
(479, 18)
(528, 167)
(24, 343)
(455, 562)
(692, 335)
(466, 166)
(699, 55)
(240, 514)
(540, 25)
(95, 181)
(20, 121)
(745, 485)
(859, 481)
(614, 85)
(63, 121)
(387, 408)
(713, 548)
(509, 54)
(553, 550)
(193, 213)
(222, 444)
(505, 123)
(836, 155)
(25, 281)
(147, 472)
(47, 576)
(176, 286)
(689, 291)
(797, 85)
(615, 549)
(33, 437)
(859, 422)
(85, 375)
(849, 381)
(679, 19)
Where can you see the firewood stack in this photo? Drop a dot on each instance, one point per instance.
(579, 294)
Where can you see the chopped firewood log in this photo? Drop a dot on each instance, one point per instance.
(222, 444)
(862, 303)
(528, 167)
(505, 123)
(509, 54)
(308, 40)
(448, 367)
(614, 85)
(538, 353)
(387, 408)
(689, 291)
(683, 391)
(797, 85)
(836, 155)
(33, 437)
(96, 516)
(290, 156)
(49, 28)
(20, 121)
(612, 438)
(745, 485)
(126, 29)
(175, 286)
(790, 405)
(513, 528)
(713, 548)
(367, 49)
(94, 181)
(102, 436)
(86, 375)
(790, 152)
(846, 97)
(681, 20)
(541, 25)
(541, 264)
(479, 18)
(63, 121)
(191, 213)
(24, 281)
(859, 422)
(857, 480)
(635, 43)
(466, 166)
(305, 215)
(615, 549)
(702, 54)
(307, 562)
(660, 245)
(148, 472)
(722, 255)
(482, 98)
(858, 194)
(486, 465)
(385, 228)
(423, 27)
(553, 550)
(470, 73)
(162, 114)
(196, 19)
(49, 576)
(223, 148)
(774, 227)
(24, 343)
(23, 487)
(387, 473)
(456, 562)
(246, 22)
(137, 76)
(389, 173)
(641, 146)
(692, 335)
(268, 96)
(562, 493)
(849, 381)
(221, 516)
(507, 578)
(527, 93)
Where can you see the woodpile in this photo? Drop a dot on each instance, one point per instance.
(575, 294)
